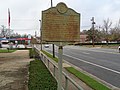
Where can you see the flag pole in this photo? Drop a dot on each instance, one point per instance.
(9, 22)
(9, 31)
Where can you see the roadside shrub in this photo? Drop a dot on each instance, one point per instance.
(40, 78)
(31, 53)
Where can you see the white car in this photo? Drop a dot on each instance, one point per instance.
(4, 45)
(20, 46)
(119, 48)
(46, 46)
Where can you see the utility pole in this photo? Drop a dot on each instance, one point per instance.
(35, 34)
(40, 34)
(53, 44)
(93, 40)
(51, 3)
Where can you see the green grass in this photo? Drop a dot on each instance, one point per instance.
(40, 78)
(88, 80)
(110, 46)
(6, 51)
(31, 52)
(50, 56)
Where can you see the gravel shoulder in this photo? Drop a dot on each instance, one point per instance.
(14, 70)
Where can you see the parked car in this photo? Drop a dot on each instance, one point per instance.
(119, 48)
(20, 46)
(46, 46)
(4, 44)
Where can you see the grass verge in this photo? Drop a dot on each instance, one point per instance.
(40, 78)
(50, 56)
(85, 78)
(88, 80)
(6, 51)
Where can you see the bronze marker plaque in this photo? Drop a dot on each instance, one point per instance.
(60, 24)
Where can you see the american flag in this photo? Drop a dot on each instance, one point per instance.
(8, 17)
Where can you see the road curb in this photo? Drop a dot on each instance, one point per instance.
(94, 77)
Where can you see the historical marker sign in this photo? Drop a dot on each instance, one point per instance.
(60, 24)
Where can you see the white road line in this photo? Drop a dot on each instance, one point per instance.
(85, 53)
(96, 50)
(94, 64)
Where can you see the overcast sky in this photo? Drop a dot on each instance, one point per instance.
(25, 14)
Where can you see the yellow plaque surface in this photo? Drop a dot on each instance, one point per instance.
(60, 24)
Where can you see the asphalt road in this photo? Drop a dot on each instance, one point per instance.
(102, 63)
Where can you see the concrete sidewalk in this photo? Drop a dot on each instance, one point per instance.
(14, 70)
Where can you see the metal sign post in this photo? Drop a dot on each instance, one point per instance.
(60, 54)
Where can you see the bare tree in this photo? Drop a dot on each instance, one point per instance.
(106, 27)
(4, 32)
(115, 32)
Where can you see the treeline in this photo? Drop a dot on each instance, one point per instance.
(107, 32)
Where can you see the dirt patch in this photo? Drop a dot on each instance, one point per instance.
(14, 70)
